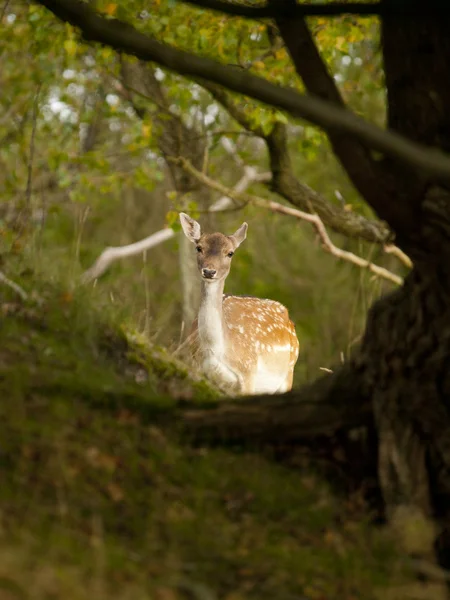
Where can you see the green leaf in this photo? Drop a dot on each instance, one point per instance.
(70, 46)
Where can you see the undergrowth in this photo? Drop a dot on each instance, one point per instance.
(99, 498)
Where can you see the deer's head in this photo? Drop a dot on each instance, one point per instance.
(214, 250)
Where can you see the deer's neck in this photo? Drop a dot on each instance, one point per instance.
(210, 318)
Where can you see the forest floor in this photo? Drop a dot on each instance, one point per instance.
(101, 497)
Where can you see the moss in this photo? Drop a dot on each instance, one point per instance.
(99, 498)
(164, 368)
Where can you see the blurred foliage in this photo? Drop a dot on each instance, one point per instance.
(82, 170)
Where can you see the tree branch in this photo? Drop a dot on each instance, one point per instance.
(313, 219)
(285, 183)
(332, 402)
(250, 176)
(122, 36)
(368, 176)
(333, 9)
(299, 194)
(14, 286)
(110, 255)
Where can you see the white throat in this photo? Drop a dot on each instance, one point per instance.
(210, 325)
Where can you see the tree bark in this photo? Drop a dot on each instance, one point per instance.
(333, 402)
(405, 355)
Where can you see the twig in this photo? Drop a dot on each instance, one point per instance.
(402, 257)
(31, 152)
(14, 286)
(314, 219)
(230, 148)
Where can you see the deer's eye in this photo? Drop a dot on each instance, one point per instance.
(230, 254)
(198, 248)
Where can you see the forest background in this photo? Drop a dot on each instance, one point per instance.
(85, 134)
(101, 150)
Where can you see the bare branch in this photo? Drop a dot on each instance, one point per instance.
(109, 255)
(286, 184)
(230, 148)
(123, 36)
(402, 257)
(14, 286)
(222, 132)
(314, 219)
(251, 175)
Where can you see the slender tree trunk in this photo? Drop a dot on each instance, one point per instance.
(189, 283)
(190, 280)
(175, 139)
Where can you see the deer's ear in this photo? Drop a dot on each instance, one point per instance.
(190, 227)
(239, 236)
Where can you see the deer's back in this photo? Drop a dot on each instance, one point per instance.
(261, 339)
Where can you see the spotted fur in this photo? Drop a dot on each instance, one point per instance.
(248, 345)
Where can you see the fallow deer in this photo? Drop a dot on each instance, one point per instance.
(247, 345)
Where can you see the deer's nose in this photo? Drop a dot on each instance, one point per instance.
(209, 273)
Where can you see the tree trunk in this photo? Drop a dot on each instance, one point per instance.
(189, 283)
(404, 360)
(404, 364)
(175, 139)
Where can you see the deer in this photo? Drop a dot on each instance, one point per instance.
(247, 345)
